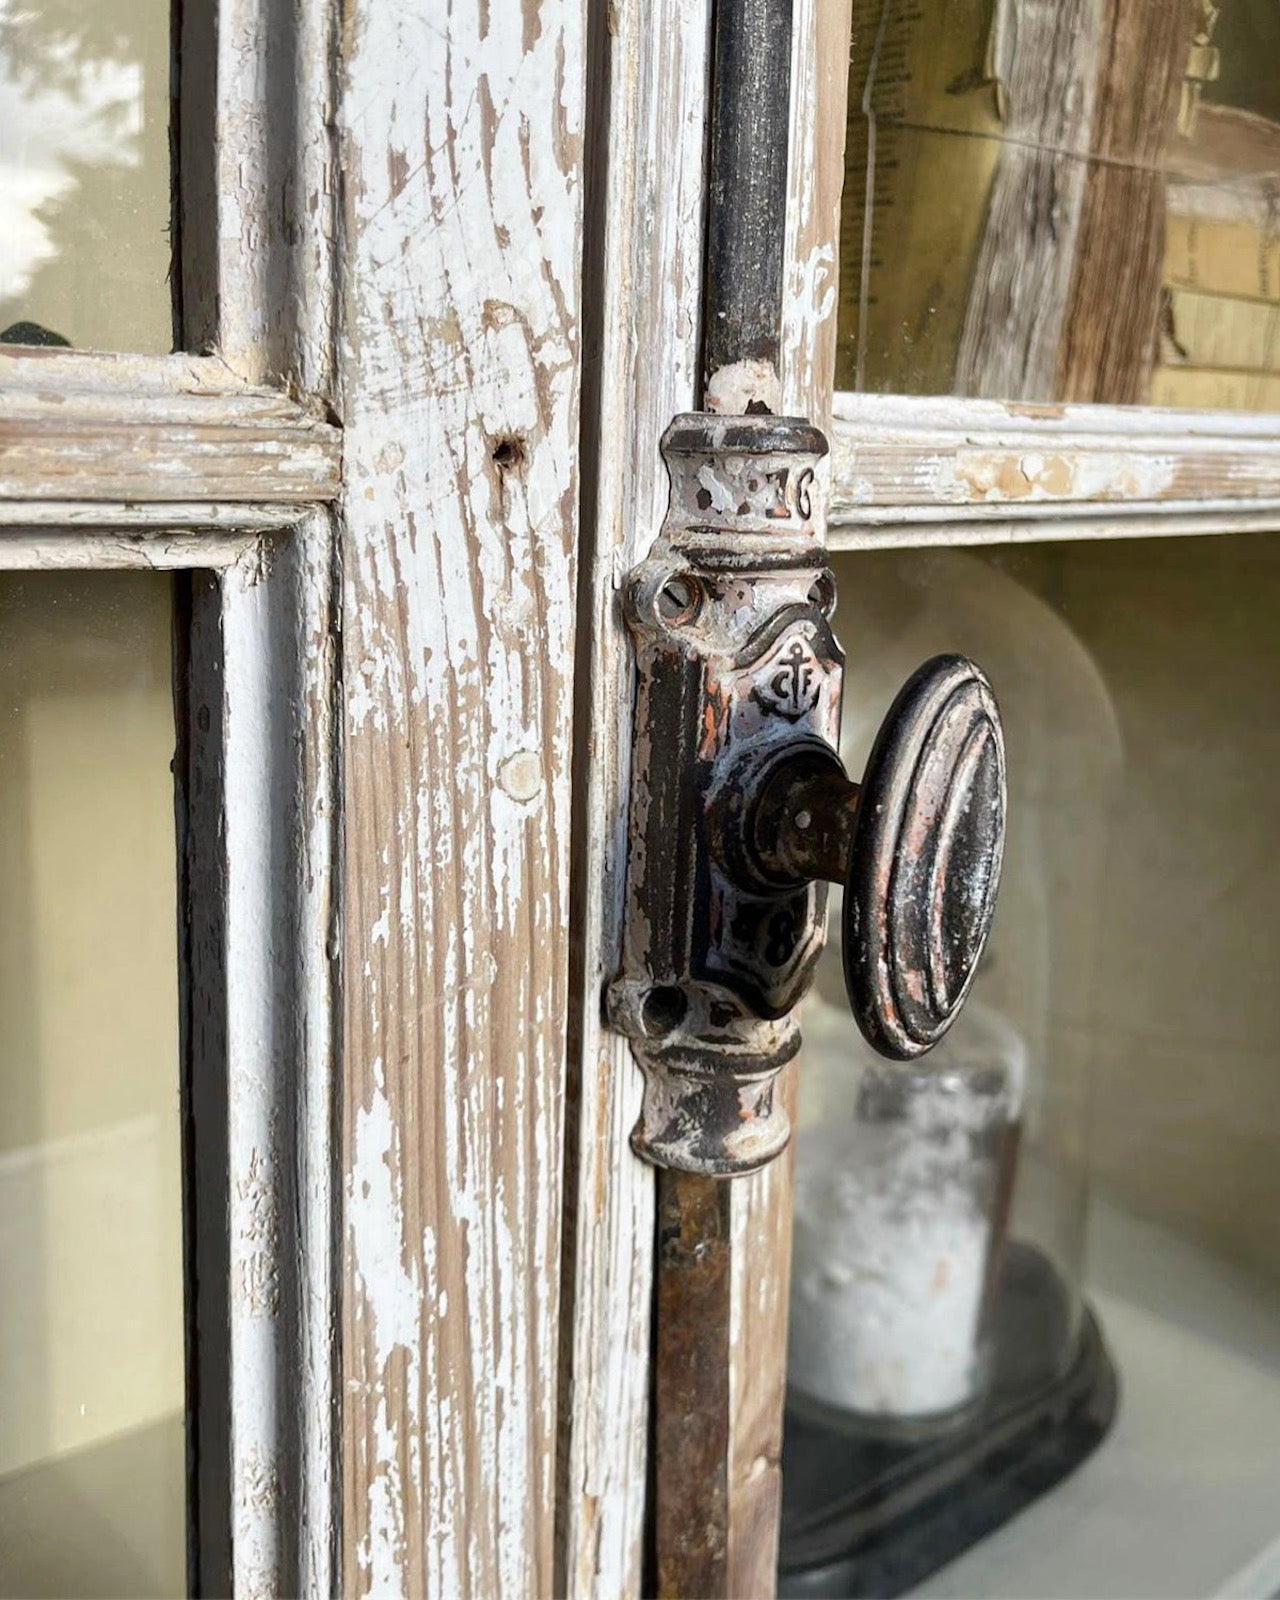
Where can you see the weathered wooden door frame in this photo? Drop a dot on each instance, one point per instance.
(445, 301)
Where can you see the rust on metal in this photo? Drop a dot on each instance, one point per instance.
(691, 1387)
(735, 659)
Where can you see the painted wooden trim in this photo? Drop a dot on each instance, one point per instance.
(256, 203)
(1151, 522)
(25, 548)
(461, 135)
(645, 217)
(167, 428)
(258, 841)
(897, 459)
(201, 527)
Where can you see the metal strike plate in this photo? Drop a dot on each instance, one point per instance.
(735, 655)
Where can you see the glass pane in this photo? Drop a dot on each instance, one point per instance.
(84, 174)
(92, 1474)
(1064, 202)
(1035, 1317)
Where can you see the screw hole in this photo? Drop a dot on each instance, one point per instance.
(679, 599)
(663, 1009)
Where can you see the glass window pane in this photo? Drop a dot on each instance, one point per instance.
(1065, 202)
(1035, 1315)
(92, 1472)
(84, 174)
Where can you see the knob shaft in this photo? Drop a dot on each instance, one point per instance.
(917, 845)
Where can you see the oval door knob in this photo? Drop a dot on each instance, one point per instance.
(924, 859)
(918, 845)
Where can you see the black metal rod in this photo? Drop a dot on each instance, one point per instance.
(746, 183)
(697, 1549)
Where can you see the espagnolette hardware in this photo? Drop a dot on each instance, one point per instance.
(741, 811)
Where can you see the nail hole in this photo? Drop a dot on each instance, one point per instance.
(663, 1010)
(508, 454)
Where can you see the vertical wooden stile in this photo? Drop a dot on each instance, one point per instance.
(761, 1204)
(645, 200)
(461, 134)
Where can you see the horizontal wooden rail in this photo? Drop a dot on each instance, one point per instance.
(959, 471)
(149, 429)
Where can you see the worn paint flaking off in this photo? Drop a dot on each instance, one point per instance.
(462, 583)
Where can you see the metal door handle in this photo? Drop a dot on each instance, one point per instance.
(917, 846)
(740, 809)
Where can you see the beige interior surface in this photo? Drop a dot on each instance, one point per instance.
(1184, 1029)
(91, 1296)
(84, 172)
(1135, 940)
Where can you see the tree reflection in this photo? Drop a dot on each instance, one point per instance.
(84, 172)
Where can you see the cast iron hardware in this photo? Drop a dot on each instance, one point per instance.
(918, 846)
(740, 808)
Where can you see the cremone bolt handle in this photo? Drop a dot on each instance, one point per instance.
(917, 845)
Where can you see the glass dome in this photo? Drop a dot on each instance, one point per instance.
(940, 1206)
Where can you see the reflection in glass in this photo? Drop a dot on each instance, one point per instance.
(91, 1299)
(84, 174)
(1091, 1163)
(1064, 202)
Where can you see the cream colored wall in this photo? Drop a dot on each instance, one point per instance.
(1184, 1030)
(90, 1206)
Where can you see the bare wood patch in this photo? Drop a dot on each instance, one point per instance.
(1109, 328)
(1045, 60)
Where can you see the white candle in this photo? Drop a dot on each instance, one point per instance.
(894, 1216)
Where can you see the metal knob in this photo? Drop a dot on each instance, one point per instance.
(917, 845)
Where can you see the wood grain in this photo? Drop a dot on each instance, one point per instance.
(1109, 329)
(645, 202)
(461, 149)
(154, 429)
(897, 459)
(1046, 63)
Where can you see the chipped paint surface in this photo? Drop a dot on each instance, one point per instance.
(461, 143)
(652, 223)
(145, 429)
(917, 460)
(1056, 475)
(261, 832)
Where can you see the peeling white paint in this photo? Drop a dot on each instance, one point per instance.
(462, 384)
